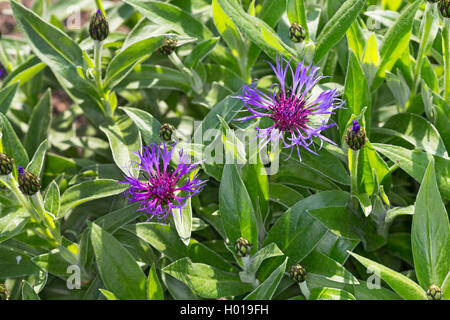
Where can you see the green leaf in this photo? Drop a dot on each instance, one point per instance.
(15, 264)
(323, 266)
(357, 93)
(362, 292)
(396, 42)
(52, 199)
(11, 143)
(271, 250)
(28, 292)
(39, 125)
(337, 26)
(415, 162)
(430, 233)
(148, 76)
(200, 52)
(118, 269)
(165, 239)
(36, 164)
(229, 32)
(53, 47)
(205, 280)
(446, 287)
(12, 223)
(257, 184)
(417, 131)
(266, 290)
(147, 124)
(166, 14)
(108, 294)
(405, 287)
(124, 61)
(22, 74)
(236, 209)
(284, 195)
(296, 233)
(372, 171)
(258, 31)
(87, 191)
(328, 166)
(330, 294)
(183, 222)
(6, 97)
(154, 288)
(124, 139)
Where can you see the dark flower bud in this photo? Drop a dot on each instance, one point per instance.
(243, 247)
(169, 46)
(297, 33)
(356, 136)
(98, 28)
(444, 7)
(297, 273)
(433, 1)
(6, 164)
(434, 293)
(3, 292)
(29, 184)
(166, 131)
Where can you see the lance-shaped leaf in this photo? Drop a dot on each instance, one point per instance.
(337, 26)
(430, 234)
(266, 290)
(236, 208)
(39, 125)
(405, 287)
(207, 281)
(118, 269)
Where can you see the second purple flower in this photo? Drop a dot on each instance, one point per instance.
(292, 107)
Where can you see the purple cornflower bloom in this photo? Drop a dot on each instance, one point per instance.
(292, 108)
(163, 189)
(356, 127)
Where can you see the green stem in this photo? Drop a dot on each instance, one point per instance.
(446, 54)
(427, 23)
(11, 183)
(353, 166)
(98, 65)
(99, 5)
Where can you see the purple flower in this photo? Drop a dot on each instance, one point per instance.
(292, 109)
(162, 188)
(356, 127)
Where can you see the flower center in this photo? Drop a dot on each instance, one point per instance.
(289, 111)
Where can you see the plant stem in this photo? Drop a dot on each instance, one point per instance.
(353, 166)
(446, 54)
(99, 5)
(98, 65)
(427, 23)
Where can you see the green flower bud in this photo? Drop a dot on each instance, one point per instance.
(356, 136)
(444, 7)
(3, 292)
(434, 293)
(29, 184)
(166, 131)
(243, 247)
(169, 46)
(297, 273)
(297, 33)
(6, 164)
(98, 28)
